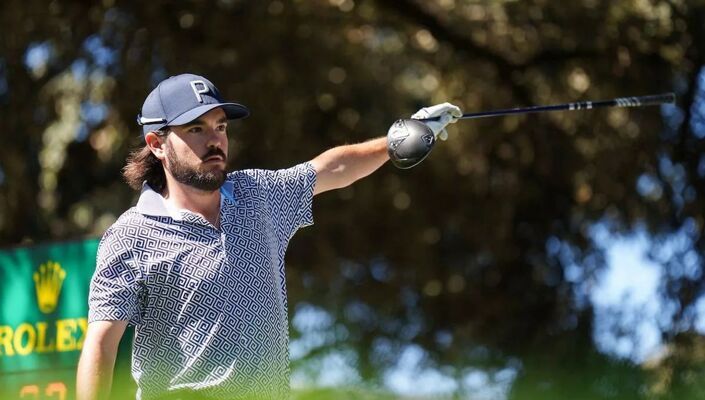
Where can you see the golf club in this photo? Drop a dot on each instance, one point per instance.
(409, 141)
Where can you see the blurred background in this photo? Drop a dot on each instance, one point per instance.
(545, 256)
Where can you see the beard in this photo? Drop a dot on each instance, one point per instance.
(206, 180)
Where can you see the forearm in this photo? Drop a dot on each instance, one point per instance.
(341, 166)
(95, 373)
(94, 376)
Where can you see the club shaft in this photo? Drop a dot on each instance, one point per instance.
(640, 101)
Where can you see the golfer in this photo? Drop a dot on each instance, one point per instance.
(197, 265)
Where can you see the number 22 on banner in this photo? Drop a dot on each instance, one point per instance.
(54, 390)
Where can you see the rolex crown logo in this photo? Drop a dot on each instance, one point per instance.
(47, 282)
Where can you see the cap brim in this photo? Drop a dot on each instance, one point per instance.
(232, 111)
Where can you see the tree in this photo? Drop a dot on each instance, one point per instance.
(468, 250)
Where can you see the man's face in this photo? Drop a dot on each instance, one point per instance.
(197, 153)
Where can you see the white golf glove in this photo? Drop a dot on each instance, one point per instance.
(448, 114)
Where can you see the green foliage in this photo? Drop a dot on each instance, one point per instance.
(451, 255)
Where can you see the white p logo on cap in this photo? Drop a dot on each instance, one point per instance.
(199, 91)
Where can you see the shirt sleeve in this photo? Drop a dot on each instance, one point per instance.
(116, 288)
(290, 197)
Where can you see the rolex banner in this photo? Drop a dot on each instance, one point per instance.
(43, 310)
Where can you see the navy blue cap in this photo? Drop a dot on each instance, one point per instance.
(180, 99)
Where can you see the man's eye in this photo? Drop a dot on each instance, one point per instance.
(222, 128)
(195, 129)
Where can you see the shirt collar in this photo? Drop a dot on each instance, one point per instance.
(152, 203)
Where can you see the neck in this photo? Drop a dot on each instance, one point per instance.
(205, 203)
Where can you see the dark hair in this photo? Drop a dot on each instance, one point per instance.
(143, 166)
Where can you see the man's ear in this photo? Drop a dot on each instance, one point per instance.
(156, 144)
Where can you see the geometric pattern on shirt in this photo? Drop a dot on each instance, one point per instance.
(209, 306)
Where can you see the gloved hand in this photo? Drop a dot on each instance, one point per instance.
(448, 114)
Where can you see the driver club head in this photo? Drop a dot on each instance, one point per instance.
(409, 142)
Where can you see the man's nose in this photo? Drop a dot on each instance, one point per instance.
(214, 136)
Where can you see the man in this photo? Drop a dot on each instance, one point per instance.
(197, 266)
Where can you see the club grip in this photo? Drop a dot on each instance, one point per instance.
(651, 100)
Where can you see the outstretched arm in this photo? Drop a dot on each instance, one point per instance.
(341, 166)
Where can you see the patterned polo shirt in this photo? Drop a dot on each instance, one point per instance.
(208, 305)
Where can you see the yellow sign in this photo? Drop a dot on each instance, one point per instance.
(43, 337)
(43, 293)
(47, 283)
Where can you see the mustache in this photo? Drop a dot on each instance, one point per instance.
(214, 152)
